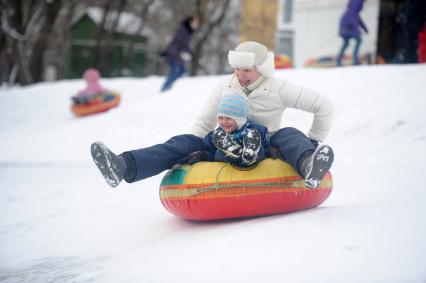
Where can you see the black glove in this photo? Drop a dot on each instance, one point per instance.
(195, 157)
(226, 144)
(273, 152)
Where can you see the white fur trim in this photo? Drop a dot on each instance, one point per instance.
(267, 68)
(240, 59)
(240, 122)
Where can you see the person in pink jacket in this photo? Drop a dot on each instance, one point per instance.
(93, 87)
(268, 98)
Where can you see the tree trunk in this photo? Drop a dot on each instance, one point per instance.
(63, 33)
(110, 37)
(100, 38)
(209, 25)
(15, 18)
(42, 42)
(128, 55)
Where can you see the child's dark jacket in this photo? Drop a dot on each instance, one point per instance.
(216, 155)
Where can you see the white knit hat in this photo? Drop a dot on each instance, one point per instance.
(250, 54)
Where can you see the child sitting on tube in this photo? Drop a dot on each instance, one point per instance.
(236, 139)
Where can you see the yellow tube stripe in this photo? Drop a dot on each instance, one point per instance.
(212, 172)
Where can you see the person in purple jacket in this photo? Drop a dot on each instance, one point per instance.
(350, 27)
(177, 48)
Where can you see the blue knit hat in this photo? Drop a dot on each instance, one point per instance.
(234, 105)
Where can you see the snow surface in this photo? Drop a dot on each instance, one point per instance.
(60, 222)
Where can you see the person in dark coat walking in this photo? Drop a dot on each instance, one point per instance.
(350, 27)
(176, 49)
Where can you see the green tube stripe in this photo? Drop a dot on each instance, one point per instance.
(175, 176)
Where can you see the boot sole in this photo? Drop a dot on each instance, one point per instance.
(322, 160)
(102, 159)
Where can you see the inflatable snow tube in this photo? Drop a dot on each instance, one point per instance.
(100, 103)
(217, 190)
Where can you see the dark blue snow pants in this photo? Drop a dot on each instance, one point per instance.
(150, 161)
(292, 145)
(177, 69)
(155, 159)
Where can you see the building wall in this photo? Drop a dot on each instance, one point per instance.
(258, 21)
(82, 51)
(309, 30)
(316, 27)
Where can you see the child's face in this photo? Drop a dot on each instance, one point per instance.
(227, 124)
(91, 79)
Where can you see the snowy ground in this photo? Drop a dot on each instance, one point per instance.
(60, 222)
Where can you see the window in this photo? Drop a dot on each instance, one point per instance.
(287, 11)
(285, 43)
(285, 32)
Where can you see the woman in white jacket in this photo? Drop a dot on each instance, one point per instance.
(268, 97)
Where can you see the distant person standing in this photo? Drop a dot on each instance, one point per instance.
(349, 28)
(177, 49)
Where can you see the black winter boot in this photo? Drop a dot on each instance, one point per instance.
(251, 146)
(112, 167)
(317, 165)
(226, 144)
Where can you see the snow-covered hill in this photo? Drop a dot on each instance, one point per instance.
(60, 222)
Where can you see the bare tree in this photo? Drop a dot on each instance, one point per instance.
(143, 10)
(19, 22)
(212, 15)
(218, 27)
(222, 39)
(27, 27)
(101, 36)
(51, 12)
(34, 34)
(60, 42)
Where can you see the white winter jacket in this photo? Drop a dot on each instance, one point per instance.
(268, 103)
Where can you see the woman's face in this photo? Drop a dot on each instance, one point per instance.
(227, 124)
(246, 76)
(194, 23)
